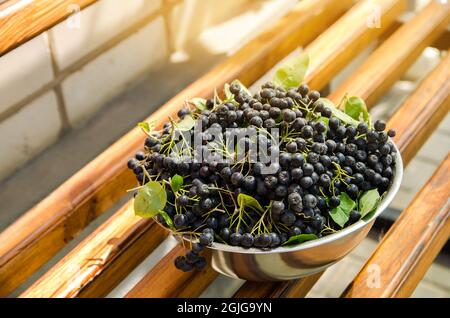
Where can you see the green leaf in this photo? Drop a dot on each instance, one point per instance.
(186, 124)
(339, 113)
(297, 239)
(176, 182)
(243, 87)
(145, 126)
(168, 220)
(325, 120)
(356, 108)
(368, 202)
(150, 200)
(292, 73)
(346, 202)
(198, 103)
(228, 94)
(341, 213)
(245, 200)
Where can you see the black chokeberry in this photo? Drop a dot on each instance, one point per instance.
(262, 240)
(334, 201)
(247, 240)
(235, 239)
(379, 125)
(206, 239)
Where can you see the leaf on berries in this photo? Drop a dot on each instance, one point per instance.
(198, 103)
(228, 94)
(356, 108)
(292, 73)
(245, 201)
(176, 182)
(339, 113)
(146, 127)
(217, 100)
(242, 86)
(168, 220)
(186, 124)
(150, 200)
(297, 239)
(341, 213)
(325, 120)
(368, 202)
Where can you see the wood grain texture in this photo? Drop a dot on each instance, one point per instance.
(422, 112)
(348, 37)
(411, 244)
(291, 288)
(396, 54)
(77, 274)
(20, 21)
(48, 226)
(164, 280)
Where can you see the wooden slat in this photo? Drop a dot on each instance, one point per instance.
(291, 288)
(411, 244)
(347, 38)
(167, 282)
(95, 256)
(395, 55)
(422, 111)
(21, 21)
(443, 42)
(414, 122)
(47, 227)
(324, 48)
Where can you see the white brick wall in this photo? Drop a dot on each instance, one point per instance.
(190, 17)
(23, 71)
(88, 89)
(98, 24)
(28, 132)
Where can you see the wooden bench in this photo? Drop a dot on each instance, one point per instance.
(334, 33)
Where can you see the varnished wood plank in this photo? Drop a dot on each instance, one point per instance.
(21, 21)
(292, 288)
(422, 112)
(99, 254)
(322, 49)
(443, 42)
(411, 244)
(47, 227)
(348, 37)
(166, 281)
(395, 55)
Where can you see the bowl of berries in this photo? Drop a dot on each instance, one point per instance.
(277, 185)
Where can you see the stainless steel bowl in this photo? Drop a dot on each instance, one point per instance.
(285, 263)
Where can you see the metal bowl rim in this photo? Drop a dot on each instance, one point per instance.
(395, 186)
